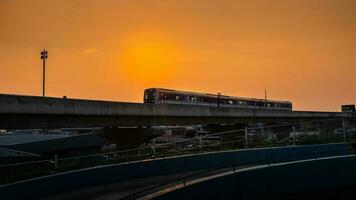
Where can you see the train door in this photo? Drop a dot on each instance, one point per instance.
(150, 96)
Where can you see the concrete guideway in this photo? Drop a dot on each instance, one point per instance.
(38, 112)
(298, 179)
(127, 189)
(118, 190)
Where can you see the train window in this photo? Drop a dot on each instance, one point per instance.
(168, 96)
(192, 99)
(177, 97)
(201, 99)
(213, 100)
(231, 102)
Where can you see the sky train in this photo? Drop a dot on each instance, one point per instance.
(167, 96)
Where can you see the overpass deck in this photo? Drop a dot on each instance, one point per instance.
(48, 112)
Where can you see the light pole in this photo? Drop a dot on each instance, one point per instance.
(44, 56)
(265, 94)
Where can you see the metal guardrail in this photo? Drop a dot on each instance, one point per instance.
(12, 152)
(252, 137)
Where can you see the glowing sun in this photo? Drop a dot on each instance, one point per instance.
(148, 58)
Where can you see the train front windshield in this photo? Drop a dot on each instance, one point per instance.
(149, 96)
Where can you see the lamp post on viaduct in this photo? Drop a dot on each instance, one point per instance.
(44, 56)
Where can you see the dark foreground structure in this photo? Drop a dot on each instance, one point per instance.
(262, 174)
(306, 179)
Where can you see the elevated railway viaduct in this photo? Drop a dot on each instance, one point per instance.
(28, 112)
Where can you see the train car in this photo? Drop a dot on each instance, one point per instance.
(167, 96)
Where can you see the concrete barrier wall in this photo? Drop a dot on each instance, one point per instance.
(29, 112)
(274, 181)
(75, 180)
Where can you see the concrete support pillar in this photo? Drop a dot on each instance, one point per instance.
(200, 143)
(344, 129)
(55, 163)
(328, 127)
(246, 137)
(293, 135)
(153, 147)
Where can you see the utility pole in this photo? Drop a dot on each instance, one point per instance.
(265, 94)
(44, 56)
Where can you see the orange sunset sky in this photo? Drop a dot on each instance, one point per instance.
(299, 50)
